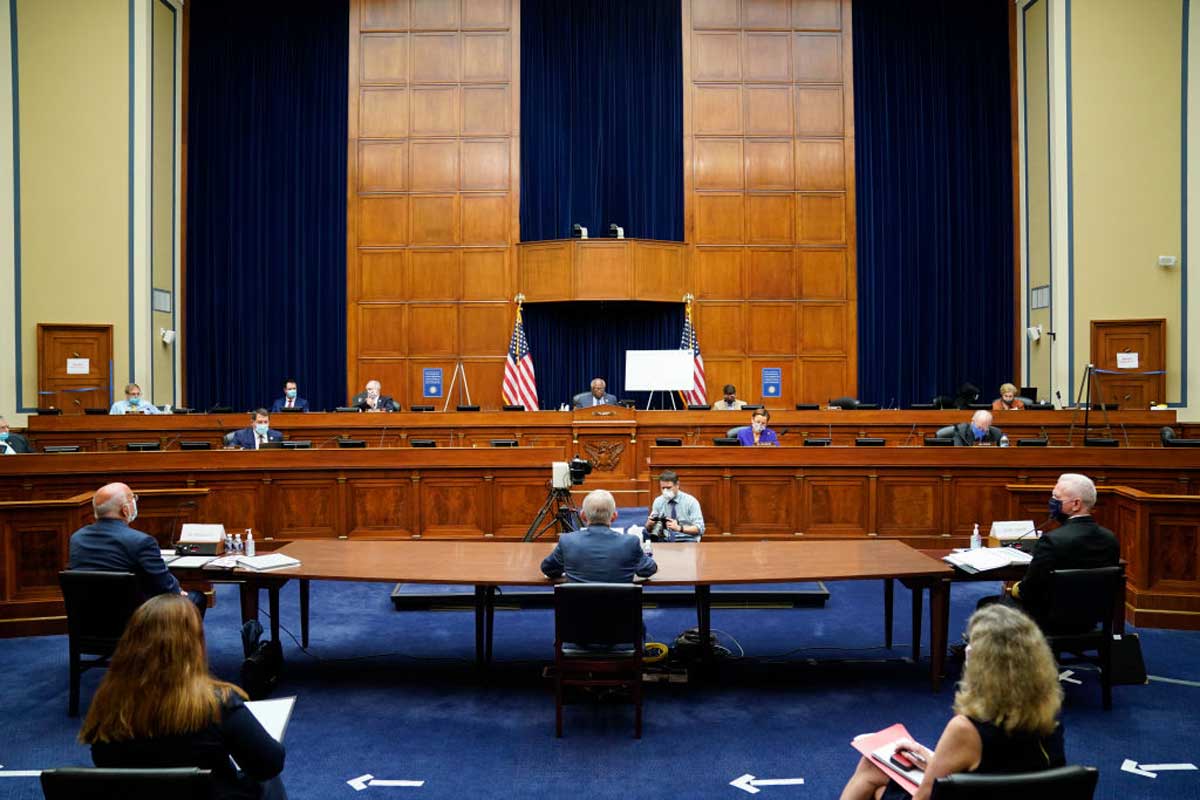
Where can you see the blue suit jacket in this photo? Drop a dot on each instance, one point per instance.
(584, 400)
(245, 437)
(598, 554)
(746, 437)
(111, 545)
(278, 405)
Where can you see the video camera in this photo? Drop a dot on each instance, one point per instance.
(565, 474)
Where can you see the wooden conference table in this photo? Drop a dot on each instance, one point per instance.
(488, 565)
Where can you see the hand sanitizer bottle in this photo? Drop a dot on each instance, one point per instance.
(249, 543)
(975, 541)
(1004, 440)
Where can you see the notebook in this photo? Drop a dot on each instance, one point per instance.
(268, 561)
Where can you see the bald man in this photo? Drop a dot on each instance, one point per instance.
(979, 431)
(110, 545)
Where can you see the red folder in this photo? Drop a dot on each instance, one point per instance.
(868, 743)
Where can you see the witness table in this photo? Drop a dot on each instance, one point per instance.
(488, 565)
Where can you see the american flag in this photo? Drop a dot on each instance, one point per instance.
(520, 386)
(698, 396)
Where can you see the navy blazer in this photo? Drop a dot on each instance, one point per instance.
(112, 546)
(385, 402)
(278, 405)
(965, 437)
(18, 443)
(1079, 543)
(598, 554)
(245, 437)
(584, 400)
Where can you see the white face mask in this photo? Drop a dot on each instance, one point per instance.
(669, 493)
(132, 511)
(758, 426)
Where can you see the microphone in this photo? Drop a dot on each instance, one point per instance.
(184, 505)
(330, 439)
(1034, 529)
(890, 404)
(382, 434)
(908, 438)
(1042, 431)
(1124, 433)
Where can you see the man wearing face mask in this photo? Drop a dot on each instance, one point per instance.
(979, 431)
(675, 516)
(291, 398)
(133, 403)
(11, 443)
(258, 434)
(110, 545)
(372, 398)
(1078, 543)
(758, 434)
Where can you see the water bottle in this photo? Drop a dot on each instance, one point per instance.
(1003, 440)
(647, 547)
(228, 542)
(237, 544)
(249, 543)
(976, 543)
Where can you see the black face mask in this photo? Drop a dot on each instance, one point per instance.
(1056, 510)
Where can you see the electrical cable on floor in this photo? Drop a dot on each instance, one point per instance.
(350, 659)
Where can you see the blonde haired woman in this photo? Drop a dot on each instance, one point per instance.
(1006, 710)
(1008, 400)
(158, 706)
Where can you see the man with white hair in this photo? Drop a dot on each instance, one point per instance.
(110, 545)
(1078, 543)
(598, 554)
(979, 431)
(372, 398)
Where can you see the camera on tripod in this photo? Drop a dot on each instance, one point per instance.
(565, 474)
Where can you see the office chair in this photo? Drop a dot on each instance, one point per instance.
(945, 432)
(227, 439)
(607, 617)
(1169, 439)
(734, 432)
(1082, 603)
(180, 783)
(99, 605)
(1061, 783)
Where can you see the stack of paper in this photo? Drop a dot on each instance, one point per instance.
(269, 561)
(985, 558)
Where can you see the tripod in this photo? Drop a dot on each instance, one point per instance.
(558, 511)
(1084, 395)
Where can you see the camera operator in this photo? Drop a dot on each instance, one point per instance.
(675, 516)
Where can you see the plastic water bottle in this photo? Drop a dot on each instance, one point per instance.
(228, 542)
(237, 543)
(647, 547)
(249, 542)
(976, 543)
(1004, 440)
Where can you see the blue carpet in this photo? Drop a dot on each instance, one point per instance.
(812, 679)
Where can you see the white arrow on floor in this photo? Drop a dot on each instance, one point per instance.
(1152, 770)
(749, 784)
(1065, 677)
(363, 781)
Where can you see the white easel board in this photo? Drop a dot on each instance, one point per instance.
(658, 370)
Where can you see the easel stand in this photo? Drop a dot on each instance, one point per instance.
(650, 400)
(1084, 395)
(458, 370)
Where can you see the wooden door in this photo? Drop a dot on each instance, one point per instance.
(74, 366)
(1130, 348)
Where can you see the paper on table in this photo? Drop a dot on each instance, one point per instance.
(869, 743)
(273, 714)
(191, 562)
(985, 558)
(268, 561)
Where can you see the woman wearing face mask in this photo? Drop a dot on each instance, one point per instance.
(758, 434)
(1008, 400)
(1006, 711)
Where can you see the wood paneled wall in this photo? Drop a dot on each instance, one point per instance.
(769, 192)
(768, 116)
(432, 192)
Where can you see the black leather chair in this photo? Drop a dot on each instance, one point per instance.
(1061, 783)
(1083, 603)
(99, 605)
(182, 783)
(598, 642)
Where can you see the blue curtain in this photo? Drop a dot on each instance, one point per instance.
(266, 201)
(601, 118)
(574, 342)
(934, 180)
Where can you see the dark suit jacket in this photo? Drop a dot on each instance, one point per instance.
(245, 437)
(1078, 544)
(386, 403)
(19, 443)
(598, 554)
(584, 399)
(278, 405)
(965, 437)
(111, 545)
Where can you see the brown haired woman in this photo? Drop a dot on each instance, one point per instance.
(158, 706)
(1006, 710)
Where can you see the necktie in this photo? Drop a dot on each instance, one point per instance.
(261, 440)
(289, 403)
(672, 513)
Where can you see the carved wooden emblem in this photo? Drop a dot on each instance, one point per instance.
(603, 454)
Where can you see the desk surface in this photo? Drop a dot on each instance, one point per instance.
(517, 563)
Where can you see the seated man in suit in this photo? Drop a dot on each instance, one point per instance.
(110, 545)
(133, 403)
(758, 434)
(979, 431)
(11, 443)
(258, 434)
(730, 400)
(596, 397)
(598, 554)
(290, 399)
(373, 399)
(1078, 543)
(675, 515)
